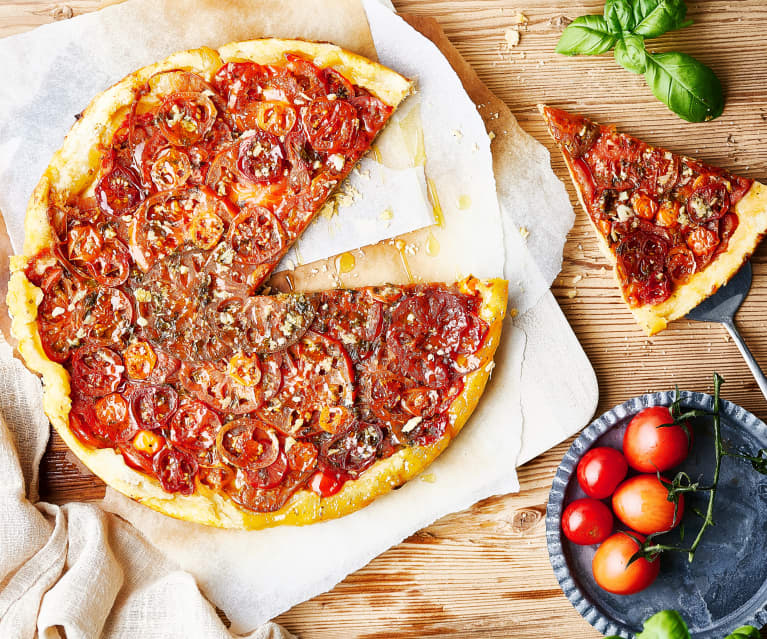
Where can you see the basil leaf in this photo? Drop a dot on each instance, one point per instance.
(655, 17)
(688, 87)
(619, 15)
(666, 624)
(744, 632)
(586, 35)
(630, 53)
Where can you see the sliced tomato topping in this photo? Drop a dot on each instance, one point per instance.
(645, 206)
(641, 255)
(702, 241)
(171, 169)
(260, 157)
(428, 431)
(194, 427)
(709, 201)
(176, 470)
(248, 443)
(210, 384)
(268, 476)
(152, 406)
(257, 236)
(96, 370)
(106, 316)
(300, 80)
(337, 86)
(326, 370)
(354, 450)
(111, 410)
(615, 162)
(302, 456)
(330, 125)
(84, 244)
(185, 118)
(118, 191)
(57, 321)
(680, 264)
(82, 422)
(137, 459)
(167, 219)
(668, 214)
(373, 115)
(245, 369)
(326, 482)
(242, 83)
(274, 117)
(140, 360)
(432, 336)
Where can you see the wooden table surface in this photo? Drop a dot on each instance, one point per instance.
(485, 572)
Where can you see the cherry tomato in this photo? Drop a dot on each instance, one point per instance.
(256, 235)
(326, 483)
(194, 427)
(611, 568)
(248, 443)
(600, 471)
(96, 370)
(587, 521)
(176, 470)
(153, 406)
(261, 157)
(710, 201)
(642, 504)
(644, 206)
(117, 192)
(650, 446)
(680, 264)
(668, 214)
(140, 360)
(330, 125)
(186, 117)
(702, 241)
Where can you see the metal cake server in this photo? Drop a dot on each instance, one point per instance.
(721, 308)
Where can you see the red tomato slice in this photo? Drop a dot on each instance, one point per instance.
(211, 385)
(302, 456)
(336, 84)
(57, 323)
(257, 236)
(140, 360)
(248, 443)
(680, 264)
(269, 476)
(194, 427)
(118, 191)
(587, 521)
(600, 471)
(260, 157)
(354, 450)
(152, 406)
(96, 370)
(171, 169)
(709, 201)
(326, 483)
(185, 118)
(106, 316)
(330, 125)
(176, 470)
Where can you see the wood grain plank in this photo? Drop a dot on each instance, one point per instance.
(485, 572)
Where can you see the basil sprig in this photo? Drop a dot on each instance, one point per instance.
(686, 86)
(668, 624)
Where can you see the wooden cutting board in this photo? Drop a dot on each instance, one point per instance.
(485, 572)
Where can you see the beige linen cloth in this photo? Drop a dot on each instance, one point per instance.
(75, 567)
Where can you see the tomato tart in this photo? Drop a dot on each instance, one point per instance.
(674, 228)
(139, 297)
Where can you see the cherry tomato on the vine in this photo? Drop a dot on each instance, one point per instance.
(611, 568)
(587, 521)
(651, 444)
(600, 471)
(642, 504)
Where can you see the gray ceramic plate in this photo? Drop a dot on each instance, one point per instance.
(726, 585)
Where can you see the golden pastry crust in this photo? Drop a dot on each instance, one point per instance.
(74, 169)
(752, 225)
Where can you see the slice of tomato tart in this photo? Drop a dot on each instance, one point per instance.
(675, 229)
(138, 296)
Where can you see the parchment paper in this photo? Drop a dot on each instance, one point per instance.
(253, 576)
